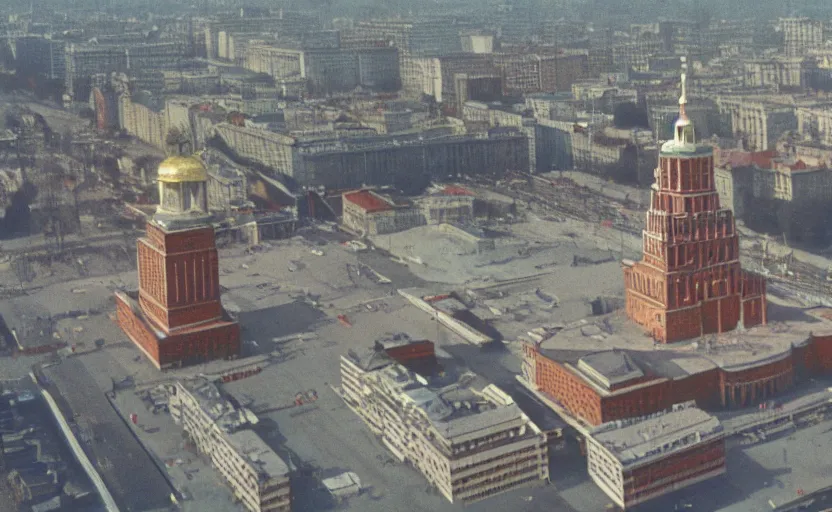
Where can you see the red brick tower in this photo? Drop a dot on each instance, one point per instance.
(689, 282)
(177, 318)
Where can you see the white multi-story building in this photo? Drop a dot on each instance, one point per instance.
(815, 123)
(801, 35)
(758, 120)
(258, 477)
(466, 436)
(635, 461)
(778, 73)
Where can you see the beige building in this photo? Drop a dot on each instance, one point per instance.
(814, 123)
(276, 62)
(792, 181)
(368, 213)
(258, 477)
(422, 75)
(271, 149)
(778, 73)
(466, 436)
(760, 121)
(801, 35)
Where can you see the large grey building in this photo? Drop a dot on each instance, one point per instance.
(41, 56)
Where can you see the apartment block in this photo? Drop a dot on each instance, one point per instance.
(349, 162)
(440, 35)
(466, 436)
(258, 477)
(757, 120)
(328, 70)
(815, 123)
(42, 56)
(801, 35)
(777, 73)
(638, 460)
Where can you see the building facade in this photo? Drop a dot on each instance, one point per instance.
(467, 437)
(635, 462)
(759, 122)
(177, 318)
(801, 35)
(257, 476)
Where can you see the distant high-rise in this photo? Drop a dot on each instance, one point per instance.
(801, 34)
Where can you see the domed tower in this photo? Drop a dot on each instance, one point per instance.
(176, 317)
(182, 191)
(689, 282)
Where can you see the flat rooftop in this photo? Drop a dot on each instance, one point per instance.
(215, 405)
(258, 454)
(742, 348)
(658, 436)
(457, 401)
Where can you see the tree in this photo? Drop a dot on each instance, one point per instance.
(24, 270)
(177, 140)
(51, 196)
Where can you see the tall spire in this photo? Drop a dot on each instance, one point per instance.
(683, 131)
(683, 99)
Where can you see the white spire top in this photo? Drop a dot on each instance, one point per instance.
(684, 137)
(683, 99)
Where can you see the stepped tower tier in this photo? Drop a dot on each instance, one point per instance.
(176, 317)
(689, 282)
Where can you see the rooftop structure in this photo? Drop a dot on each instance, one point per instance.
(466, 436)
(641, 441)
(258, 477)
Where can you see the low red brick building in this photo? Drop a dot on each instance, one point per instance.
(176, 317)
(609, 370)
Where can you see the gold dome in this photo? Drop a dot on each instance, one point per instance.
(182, 169)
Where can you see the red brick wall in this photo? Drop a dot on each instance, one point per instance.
(678, 467)
(136, 329)
(197, 313)
(759, 372)
(703, 387)
(819, 354)
(151, 270)
(683, 324)
(220, 342)
(638, 402)
(180, 241)
(416, 350)
(753, 311)
(568, 389)
(192, 276)
(192, 239)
